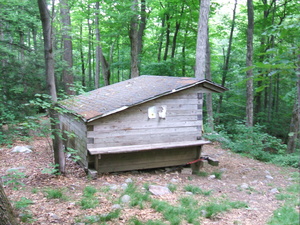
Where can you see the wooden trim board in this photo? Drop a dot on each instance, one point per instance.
(136, 148)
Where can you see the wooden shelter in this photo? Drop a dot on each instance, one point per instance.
(144, 122)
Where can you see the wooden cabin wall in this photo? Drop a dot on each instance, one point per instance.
(78, 141)
(183, 122)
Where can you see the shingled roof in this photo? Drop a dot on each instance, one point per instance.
(120, 96)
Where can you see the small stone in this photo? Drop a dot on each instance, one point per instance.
(113, 187)
(116, 206)
(187, 171)
(22, 149)
(124, 186)
(188, 193)
(53, 216)
(274, 191)
(245, 186)
(269, 177)
(159, 190)
(211, 177)
(203, 213)
(173, 180)
(15, 169)
(125, 199)
(128, 180)
(223, 170)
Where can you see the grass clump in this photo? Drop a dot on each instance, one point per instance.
(288, 214)
(196, 190)
(137, 198)
(213, 208)
(172, 187)
(135, 221)
(23, 203)
(55, 194)
(89, 201)
(99, 219)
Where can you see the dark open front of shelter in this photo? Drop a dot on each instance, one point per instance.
(144, 122)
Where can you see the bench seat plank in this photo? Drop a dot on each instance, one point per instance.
(135, 148)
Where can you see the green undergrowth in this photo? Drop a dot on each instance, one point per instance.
(288, 213)
(89, 200)
(253, 142)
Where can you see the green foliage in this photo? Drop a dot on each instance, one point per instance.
(285, 215)
(137, 198)
(14, 178)
(253, 142)
(89, 200)
(172, 187)
(52, 193)
(89, 191)
(53, 169)
(135, 221)
(26, 217)
(88, 203)
(196, 190)
(23, 203)
(214, 208)
(102, 218)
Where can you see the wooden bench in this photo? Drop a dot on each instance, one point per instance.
(120, 153)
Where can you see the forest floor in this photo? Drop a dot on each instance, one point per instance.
(237, 179)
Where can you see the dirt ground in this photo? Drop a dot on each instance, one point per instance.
(242, 179)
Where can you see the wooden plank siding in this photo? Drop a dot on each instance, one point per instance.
(146, 159)
(133, 127)
(79, 142)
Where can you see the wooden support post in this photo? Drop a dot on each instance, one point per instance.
(196, 166)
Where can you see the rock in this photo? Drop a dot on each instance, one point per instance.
(128, 180)
(187, 171)
(113, 187)
(53, 216)
(173, 180)
(223, 170)
(203, 213)
(116, 206)
(211, 177)
(274, 191)
(22, 149)
(124, 186)
(188, 193)
(125, 199)
(10, 170)
(245, 186)
(159, 190)
(269, 177)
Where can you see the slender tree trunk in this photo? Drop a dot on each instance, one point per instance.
(82, 59)
(100, 58)
(142, 27)
(209, 106)
(227, 59)
(202, 36)
(161, 38)
(177, 27)
(133, 36)
(98, 47)
(294, 134)
(59, 156)
(68, 78)
(249, 63)
(89, 50)
(7, 216)
(167, 37)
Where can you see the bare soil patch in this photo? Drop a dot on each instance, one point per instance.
(242, 179)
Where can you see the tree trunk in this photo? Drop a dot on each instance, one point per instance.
(161, 38)
(167, 37)
(97, 34)
(202, 36)
(68, 78)
(133, 36)
(227, 59)
(7, 216)
(249, 63)
(294, 135)
(83, 83)
(142, 26)
(209, 106)
(59, 156)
